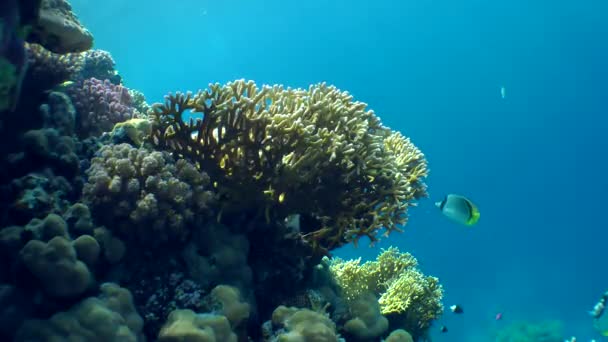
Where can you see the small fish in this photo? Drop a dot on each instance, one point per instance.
(293, 222)
(598, 310)
(600, 317)
(457, 309)
(503, 92)
(443, 329)
(459, 209)
(498, 316)
(66, 84)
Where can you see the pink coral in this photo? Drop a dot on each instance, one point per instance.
(100, 105)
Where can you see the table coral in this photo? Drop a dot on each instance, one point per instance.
(313, 152)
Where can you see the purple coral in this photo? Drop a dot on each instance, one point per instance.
(100, 105)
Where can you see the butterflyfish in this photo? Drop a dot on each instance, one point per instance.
(457, 309)
(459, 209)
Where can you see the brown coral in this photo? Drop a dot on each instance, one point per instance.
(59, 30)
(286, 151)
(146, 196)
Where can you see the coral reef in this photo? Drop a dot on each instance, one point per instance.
(125, 222)
(315, 152)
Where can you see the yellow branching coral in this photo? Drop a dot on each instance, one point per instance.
(396, 280)
(284, 151)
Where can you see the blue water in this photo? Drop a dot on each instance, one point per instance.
(535, 162)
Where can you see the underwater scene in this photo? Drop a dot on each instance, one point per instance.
(303, 171)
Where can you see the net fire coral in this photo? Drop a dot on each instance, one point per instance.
(314, 152)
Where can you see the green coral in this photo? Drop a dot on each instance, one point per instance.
(314, 152)
(395, 279)
(186, 325)
(111, 316)
(55, 263)
(303, 325)
(136, 129)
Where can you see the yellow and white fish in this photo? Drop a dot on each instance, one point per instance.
(459, 209)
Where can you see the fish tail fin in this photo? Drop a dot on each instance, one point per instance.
(474, 216)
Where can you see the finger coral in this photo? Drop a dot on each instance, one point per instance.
(145, 196)
(47, 69)
(100, 105)
(285, 151)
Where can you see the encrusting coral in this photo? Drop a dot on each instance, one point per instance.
(313, 152)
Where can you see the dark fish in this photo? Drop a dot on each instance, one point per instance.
(457, 309)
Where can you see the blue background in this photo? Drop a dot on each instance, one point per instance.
(534, 162)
